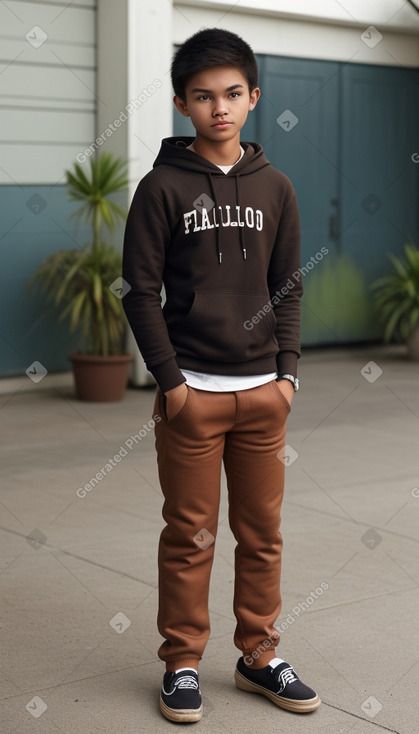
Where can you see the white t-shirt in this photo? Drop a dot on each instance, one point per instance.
(225, 383)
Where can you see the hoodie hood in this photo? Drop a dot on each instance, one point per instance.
(174, 152)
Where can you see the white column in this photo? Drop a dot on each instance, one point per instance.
(134, 57)
(134, 105)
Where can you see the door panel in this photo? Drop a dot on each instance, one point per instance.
(380, 122)
(298, 127)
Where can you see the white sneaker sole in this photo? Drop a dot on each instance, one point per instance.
(183, 715)
(290, 704)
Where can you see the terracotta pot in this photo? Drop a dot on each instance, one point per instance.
(413, 345)
(100, 379)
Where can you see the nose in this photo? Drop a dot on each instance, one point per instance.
(220, 108)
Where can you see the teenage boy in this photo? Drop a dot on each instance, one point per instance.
(219, 227)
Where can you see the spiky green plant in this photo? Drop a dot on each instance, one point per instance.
(107, 177)
(76, 282)
(397, 295)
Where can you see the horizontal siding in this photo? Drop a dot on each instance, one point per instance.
(76, 54)
(67, 129)
(64, 81)
(26, 164)
(47, 94)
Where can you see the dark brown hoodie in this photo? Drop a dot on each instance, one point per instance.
(227, 249)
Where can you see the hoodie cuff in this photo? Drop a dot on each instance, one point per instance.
(167, 375)
(286, 363)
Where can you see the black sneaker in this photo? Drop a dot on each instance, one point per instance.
(281, 685)
(180, 697)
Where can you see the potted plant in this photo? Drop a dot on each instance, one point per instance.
(85, 287)
(397, 299)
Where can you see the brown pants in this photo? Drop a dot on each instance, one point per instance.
(245, 430)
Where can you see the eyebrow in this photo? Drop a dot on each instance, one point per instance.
(209, 91)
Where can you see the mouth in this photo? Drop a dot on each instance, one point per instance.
(222, 125)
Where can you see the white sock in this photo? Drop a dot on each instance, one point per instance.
(275, 662)
(179, 670)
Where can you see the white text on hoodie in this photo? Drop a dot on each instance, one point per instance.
(224, 217)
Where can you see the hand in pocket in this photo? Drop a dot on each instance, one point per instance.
(287, 390)
(175, 400)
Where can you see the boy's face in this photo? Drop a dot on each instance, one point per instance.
(218, 102)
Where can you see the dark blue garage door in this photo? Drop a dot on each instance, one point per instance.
(345, 134)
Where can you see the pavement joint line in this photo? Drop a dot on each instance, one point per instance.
(220, 555)
(83, 660)
(358, 522)
(402, 401)
(403, 676)
(146, 597)
(401, 568)
(329, 414)
(345, 564)
(78, 680)
(156, 489)
(358, 601)
(11, 513)
(9, 678)
(396, 513)
(361, 483)
(329, 496)
(81, 558)
(332, 666)
(78, 580)
(84, 418)
(11, 563)
(61, 513)
(357, 716)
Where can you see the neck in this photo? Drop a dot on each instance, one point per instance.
(224, 153)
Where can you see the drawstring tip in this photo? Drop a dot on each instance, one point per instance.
(244, 254)
(220, 257)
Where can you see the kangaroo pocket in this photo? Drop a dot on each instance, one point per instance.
(227, 327)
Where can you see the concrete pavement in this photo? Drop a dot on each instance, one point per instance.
(78, 568)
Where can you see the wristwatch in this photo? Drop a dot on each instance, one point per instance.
(294, 380)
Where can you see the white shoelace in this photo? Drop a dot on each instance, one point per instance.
(187, 681)
(286, 676)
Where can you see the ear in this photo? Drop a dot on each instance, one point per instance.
(254, 96)
(180, 105)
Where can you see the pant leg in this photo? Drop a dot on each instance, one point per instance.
(255, 479)
(189, 453)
